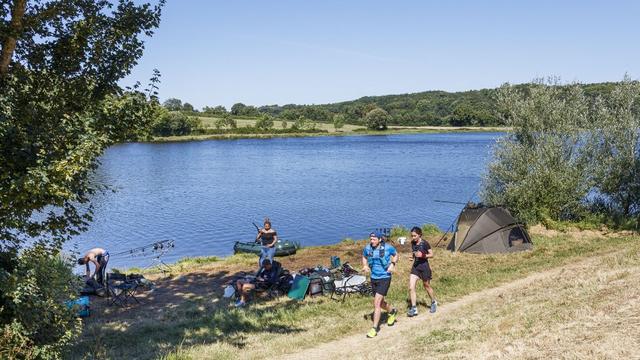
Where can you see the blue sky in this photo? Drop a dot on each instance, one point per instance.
(313, 52)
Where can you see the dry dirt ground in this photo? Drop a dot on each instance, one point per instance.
(207, 282)
(586, 310)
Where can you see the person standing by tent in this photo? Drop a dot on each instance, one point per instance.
(420, 270)
(380, 260)
(268, 238)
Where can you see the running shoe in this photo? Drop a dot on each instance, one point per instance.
(372, 333)
(240, 304)
(413, 311)
(391, 319)
(434, 306)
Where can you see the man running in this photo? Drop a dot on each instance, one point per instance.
(420, 270)
(380, 260)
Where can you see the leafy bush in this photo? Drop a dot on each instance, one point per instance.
(34, 320)
(226, 121)
(303, 123)
(539, 169)
(377, 119)
(615, 141)
(569, 155)
(265, 122)
(175, 123)
(338, 121)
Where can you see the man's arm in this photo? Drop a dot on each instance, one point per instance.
(259, 234)
(96, 263)
(365, 265)
(394, 261)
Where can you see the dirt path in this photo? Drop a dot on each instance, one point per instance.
(587, 309)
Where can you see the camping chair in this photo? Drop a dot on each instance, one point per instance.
(271, 290)
(349, 281)
(122, 289)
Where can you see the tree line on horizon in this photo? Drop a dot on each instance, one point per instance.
(429, 108)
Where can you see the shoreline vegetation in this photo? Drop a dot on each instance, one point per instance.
(186, 317)
(357, 131)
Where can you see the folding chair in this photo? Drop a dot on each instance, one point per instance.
(122, 289)
(271, 290)
(351, 283)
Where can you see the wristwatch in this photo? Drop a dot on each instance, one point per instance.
(394, 263)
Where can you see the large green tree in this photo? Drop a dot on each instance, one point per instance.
(60, 62)
(377, 119)
(60, 107)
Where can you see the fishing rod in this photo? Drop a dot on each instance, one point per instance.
(451, 227)
(159, 246)
(452, 202)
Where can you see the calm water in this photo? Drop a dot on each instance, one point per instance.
(205, 195)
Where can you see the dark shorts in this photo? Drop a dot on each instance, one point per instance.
(381, 286)
(423, 271)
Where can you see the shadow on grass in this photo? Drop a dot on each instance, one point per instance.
(179, 312)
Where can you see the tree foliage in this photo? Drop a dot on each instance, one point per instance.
(175, 123)
(615, 141)
(265, 122)
(60, 107)
(377, 119)
(226, 121)
(173, 104)
(338, 121)
(567, 150)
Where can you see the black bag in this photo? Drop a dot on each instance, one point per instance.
(315, 286)
(284, 283)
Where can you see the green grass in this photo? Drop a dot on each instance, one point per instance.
(210, 328)
(353, 130)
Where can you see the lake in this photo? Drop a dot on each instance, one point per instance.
(316, 190)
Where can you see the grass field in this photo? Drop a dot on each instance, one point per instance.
(209, 122)
(187, 318)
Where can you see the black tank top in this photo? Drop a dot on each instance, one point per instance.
(267, 238)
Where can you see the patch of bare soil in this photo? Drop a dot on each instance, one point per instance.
(208, 282)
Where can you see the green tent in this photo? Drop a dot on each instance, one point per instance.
(486, 230)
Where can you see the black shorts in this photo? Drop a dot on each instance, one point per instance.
(381, 286)
(423, 271)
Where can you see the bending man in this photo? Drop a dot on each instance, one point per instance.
(99, 257)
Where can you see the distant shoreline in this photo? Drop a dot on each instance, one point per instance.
(393, 130)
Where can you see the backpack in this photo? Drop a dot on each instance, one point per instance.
(284, 283)
(369, 253)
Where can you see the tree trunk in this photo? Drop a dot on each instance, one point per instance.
(9, 45)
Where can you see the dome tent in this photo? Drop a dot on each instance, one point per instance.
(486, 230)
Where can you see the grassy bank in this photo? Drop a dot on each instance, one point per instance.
(186, 316)
(325, 129)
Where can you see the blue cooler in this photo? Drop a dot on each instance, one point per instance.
(82, 304)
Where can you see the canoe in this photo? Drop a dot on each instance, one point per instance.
(283, 248)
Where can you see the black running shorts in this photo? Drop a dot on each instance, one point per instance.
(423, 271)
(381, 286)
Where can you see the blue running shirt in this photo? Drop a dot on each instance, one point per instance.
(377, 269)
